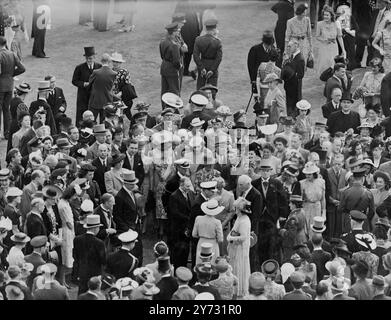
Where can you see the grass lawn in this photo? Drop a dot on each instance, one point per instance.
(241, 24)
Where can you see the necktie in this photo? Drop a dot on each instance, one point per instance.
(265, 184)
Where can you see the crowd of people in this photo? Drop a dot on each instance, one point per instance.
(281, 209)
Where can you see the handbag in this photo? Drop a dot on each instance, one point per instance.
(310, 61)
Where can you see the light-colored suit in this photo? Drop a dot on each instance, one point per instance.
(113, 181)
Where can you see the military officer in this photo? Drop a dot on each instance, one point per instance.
(171, 64)
(356, 197)
(357, 219)
(208, 53)
(121, 263)
(179, 17)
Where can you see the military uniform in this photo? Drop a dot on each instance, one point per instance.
(171, 65)
(349, 237)
(208, 53)
(121, 264)
(357, 197)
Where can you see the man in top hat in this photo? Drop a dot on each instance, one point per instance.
(89, 253)
(126, 211)
(122, 263)
(357, 219)
(336, 181)
(10, 67)
(198, 102)
(80, 79)
(101, 82)
(38, 244)
(178, 214)
(293, 73)
(208, 53)
(42, 104)
(258, 54)
(357, 197)
(35, 225)
(170, 52)
(344, 120)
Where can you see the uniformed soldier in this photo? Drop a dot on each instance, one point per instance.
(357, 197)
(208, 53)
(121, 264)
(357, 219)
(171, 64)
(179, 17)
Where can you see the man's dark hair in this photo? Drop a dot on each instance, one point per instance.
(317, 239)
(339, 66)
(37, 124)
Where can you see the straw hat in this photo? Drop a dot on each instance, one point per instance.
(117, 57)
(303, 105)
(310, 167)
(211, 207)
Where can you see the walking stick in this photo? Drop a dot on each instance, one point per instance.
(251, 97)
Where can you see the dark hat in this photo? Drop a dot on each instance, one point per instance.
(384, 175)
(87, 167)
(378, 281)
(89, 51)
(342, 247)
(23, 87)
(117, 130)
(211, 23)
(20, 237)
(140, 114)
(209, 87)
(164, 263)
(270, 267)
(359, 172)
(109, 110)
(377, 130)
(347, 97)
(167, 111)
(287, 121)
(361, 267)
(35, 142)
(63, 143)
(51, 192)
(239, 114)
(172, 26)
(320, 124)
(375, 107)
(117, 158)
(80, 153)
(99, 129)
(291, 170)
(141, 105)
(260, 112)
(58, 173)
(39, 241)
(179, 17)
(301, 8)
(240, 125)
(357, 215)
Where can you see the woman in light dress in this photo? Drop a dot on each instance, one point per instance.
(303, 125)
(313, 189)
(67, 233)
(382, 43)
(299, 28)
(275, 101)
(208, 229)
(239, 245)
(327, 34)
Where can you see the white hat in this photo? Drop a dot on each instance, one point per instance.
(126, 284)
(117, 57)
(14, 192)
(208, 184)
(366, 240)
(269, 129)
(196, 122)
(172, 100)
(211, 207)
(204, 296)
(128, 236)
(5, 223)
(286, 270)
(303, 105)
(183, 133)
(87, 206)
(93, 220)
(310, 167)
(199, 99)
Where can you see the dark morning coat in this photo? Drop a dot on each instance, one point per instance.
(101, 82)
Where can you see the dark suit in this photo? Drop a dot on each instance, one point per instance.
(171, 186)
(35, 226)
(343, 296)
(255, 197)
(179, 211)
(57, 100)
(35, 105)
(255, 57)
(167, 286)
(36, 260)
(87, 296)
(385, 101)
(334, 217)
(99, 174)
(137, 166)
(338, 121)
(320, 257)
(101, 82)
(25, 150)
(196, 114)
(335, 82)
(111, 240)
(329, 108)
(211, 289)
(10, 67)
(126, 217)
(351, 242)
(293, 73)
(81, 75)
(171, 64)
(297, 294)
(90, 257)
(207, 54)
(121, 264)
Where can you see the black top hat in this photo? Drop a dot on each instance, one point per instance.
(89, 51)
(164, 263)
(347, 97)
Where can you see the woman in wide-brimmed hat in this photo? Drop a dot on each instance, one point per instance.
(275, 101)
(303, 125)
(380, 192)
(313, 190)
(239, 245)
(367, 244)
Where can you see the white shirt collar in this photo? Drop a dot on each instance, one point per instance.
(296, 53)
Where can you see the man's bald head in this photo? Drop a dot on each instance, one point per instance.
(88, 115)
